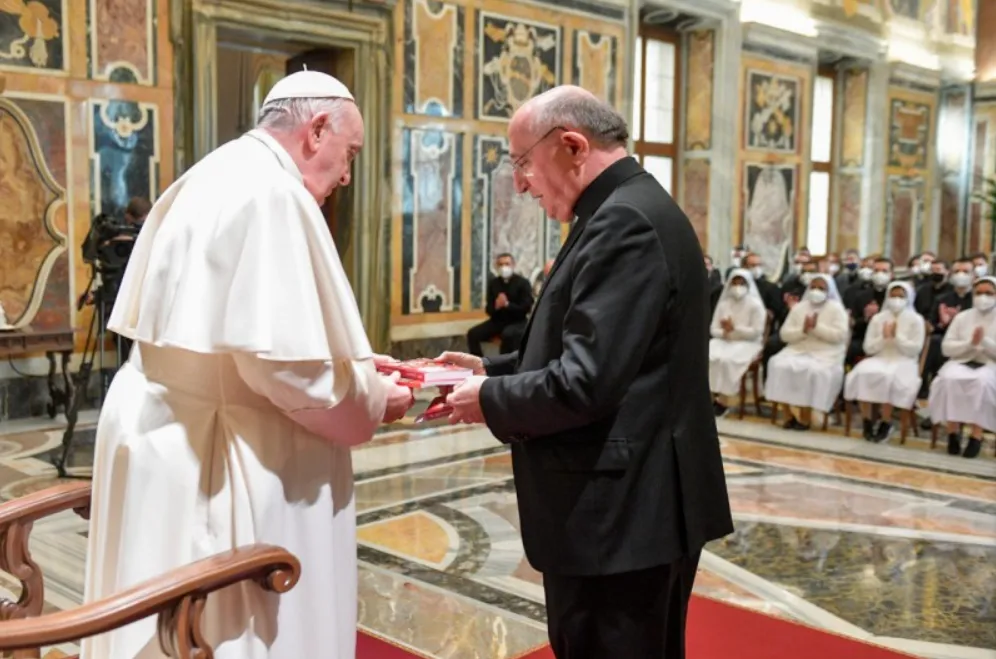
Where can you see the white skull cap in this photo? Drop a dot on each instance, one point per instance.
(308, 84)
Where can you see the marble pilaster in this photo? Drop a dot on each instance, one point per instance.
(872, 199)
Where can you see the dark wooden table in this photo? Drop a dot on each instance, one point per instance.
(19, 343)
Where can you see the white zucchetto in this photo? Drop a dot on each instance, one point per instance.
(308, 84)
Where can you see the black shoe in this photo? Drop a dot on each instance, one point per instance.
(883, 433)
(869, 426)
(954, 444)
(973, 448)
(926, 424)
(718, 408)
(793, 424)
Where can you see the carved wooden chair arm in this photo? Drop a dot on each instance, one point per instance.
(178, 598)
(34, 506)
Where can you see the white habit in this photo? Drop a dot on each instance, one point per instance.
(809, 370)
(730, 355)
(891, 371)
(231, 422)
(960, 393)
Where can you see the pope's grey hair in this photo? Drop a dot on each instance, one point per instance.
(583, 112)
(289, 113)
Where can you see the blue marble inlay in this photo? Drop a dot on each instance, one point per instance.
(125, 160)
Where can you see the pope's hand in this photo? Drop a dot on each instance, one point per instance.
(383, 359)
(463, 360)
(399, 399)
(466, 401)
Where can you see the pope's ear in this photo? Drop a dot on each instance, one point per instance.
(317, 127)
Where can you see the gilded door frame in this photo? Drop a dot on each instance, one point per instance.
(366, 32)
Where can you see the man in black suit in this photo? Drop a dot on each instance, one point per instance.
(606, 404)
(509, 300)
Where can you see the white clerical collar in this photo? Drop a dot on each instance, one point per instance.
(279, 151)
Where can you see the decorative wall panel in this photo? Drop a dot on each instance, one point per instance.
(698, 94)
(983, 166)
(855, 117)
(947, 243)
(33, 35)
(125, 153)
(769, 202)
(904, 206)
(34, 271)
(953, 151)
(772, 112)
(695, 191)
(517, 59)
(122, 40)
(432, 198)
(849, 214)
(909, 131)
(504, 221)
(434, 46)
(594, 65)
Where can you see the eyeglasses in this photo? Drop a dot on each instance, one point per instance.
(519, 163)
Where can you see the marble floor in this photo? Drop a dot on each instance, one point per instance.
(892, 544)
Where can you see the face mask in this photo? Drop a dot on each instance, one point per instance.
(505, 271)
(981, 270)
(881, 279)
(736, 260)
(816, 296)
(851, 267)
(984, 302)
(757, 271)
(937, 277)
(961, 280)
(738, 291)
(796, 268)
(834, 268)
(806, 278)
(896, 304)
(925, 267)
(865, 274)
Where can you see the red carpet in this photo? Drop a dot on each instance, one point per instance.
(716, 631)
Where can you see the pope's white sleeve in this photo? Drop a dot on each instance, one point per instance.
(342, 401)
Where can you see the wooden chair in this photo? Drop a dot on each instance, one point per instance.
(907, 417)
(177, 597)
(754, 372)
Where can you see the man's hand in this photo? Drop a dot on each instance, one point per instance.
(399, 399)
(463, 360)
(946, 315)
(383, 359)
(466, 401)
(871, 309)
(501, 301)
(790, 300)
(977, 336)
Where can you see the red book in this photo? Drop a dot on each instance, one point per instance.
(427, 373)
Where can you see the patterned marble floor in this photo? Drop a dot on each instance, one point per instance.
(894, 545)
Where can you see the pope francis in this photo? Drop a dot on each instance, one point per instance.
(250, 378)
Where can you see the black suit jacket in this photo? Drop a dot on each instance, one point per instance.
(606, 404)
(519, 292)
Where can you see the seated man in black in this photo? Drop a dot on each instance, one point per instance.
(864, 304)
(943, 310)
(791, 291)
(935, 287)
(510, 299)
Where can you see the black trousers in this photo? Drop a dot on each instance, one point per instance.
(638, 615)
(855, 351)
(511, 336)
(932, 364)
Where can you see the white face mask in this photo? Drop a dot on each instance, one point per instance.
(736, 261)
(796, 268)
(806, 278)
(881, 279)
(981, 270)
(961, 280)
(738, 291)
(984, 302)
(505, 272)
(757, 271)
(896, 305)
(816, 296)
(834, 268)
(865, 274)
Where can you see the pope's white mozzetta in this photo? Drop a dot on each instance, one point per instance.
(232, 420)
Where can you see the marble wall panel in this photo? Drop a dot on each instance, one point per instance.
(849, 214)
(33, 35)
(769, 202)
(432, 199)
(34, 271)
(772, 111)
(698, 94)
(504, 221)
(594, 66)
(124, 142)
(695, 196)
(516, 60)
(909, 132)
(983, 166)
(947, 244)
(434, 45)
(855, 117)
(904, 207)
(122, 44)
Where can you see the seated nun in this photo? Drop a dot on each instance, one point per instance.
(964, 391)
(809, 370)
(737, 334)
(890, 373)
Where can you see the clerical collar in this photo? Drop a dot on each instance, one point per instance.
(280, 152)
(603, 185)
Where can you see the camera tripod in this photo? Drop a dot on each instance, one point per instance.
(95, 342)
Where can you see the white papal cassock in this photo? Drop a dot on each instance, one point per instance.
(231, 422)
(809, 370)
(731, 355)
(890, 373)
(961, 393)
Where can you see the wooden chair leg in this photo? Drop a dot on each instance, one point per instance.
(755, 377)
(933, 436)
(826, 417)
(904, 425)
(743, 395)
(847, 418)
(774, 414)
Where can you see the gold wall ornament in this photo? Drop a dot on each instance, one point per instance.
(519, 60)
(38, 27)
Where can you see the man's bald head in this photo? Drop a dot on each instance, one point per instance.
(561, 141)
